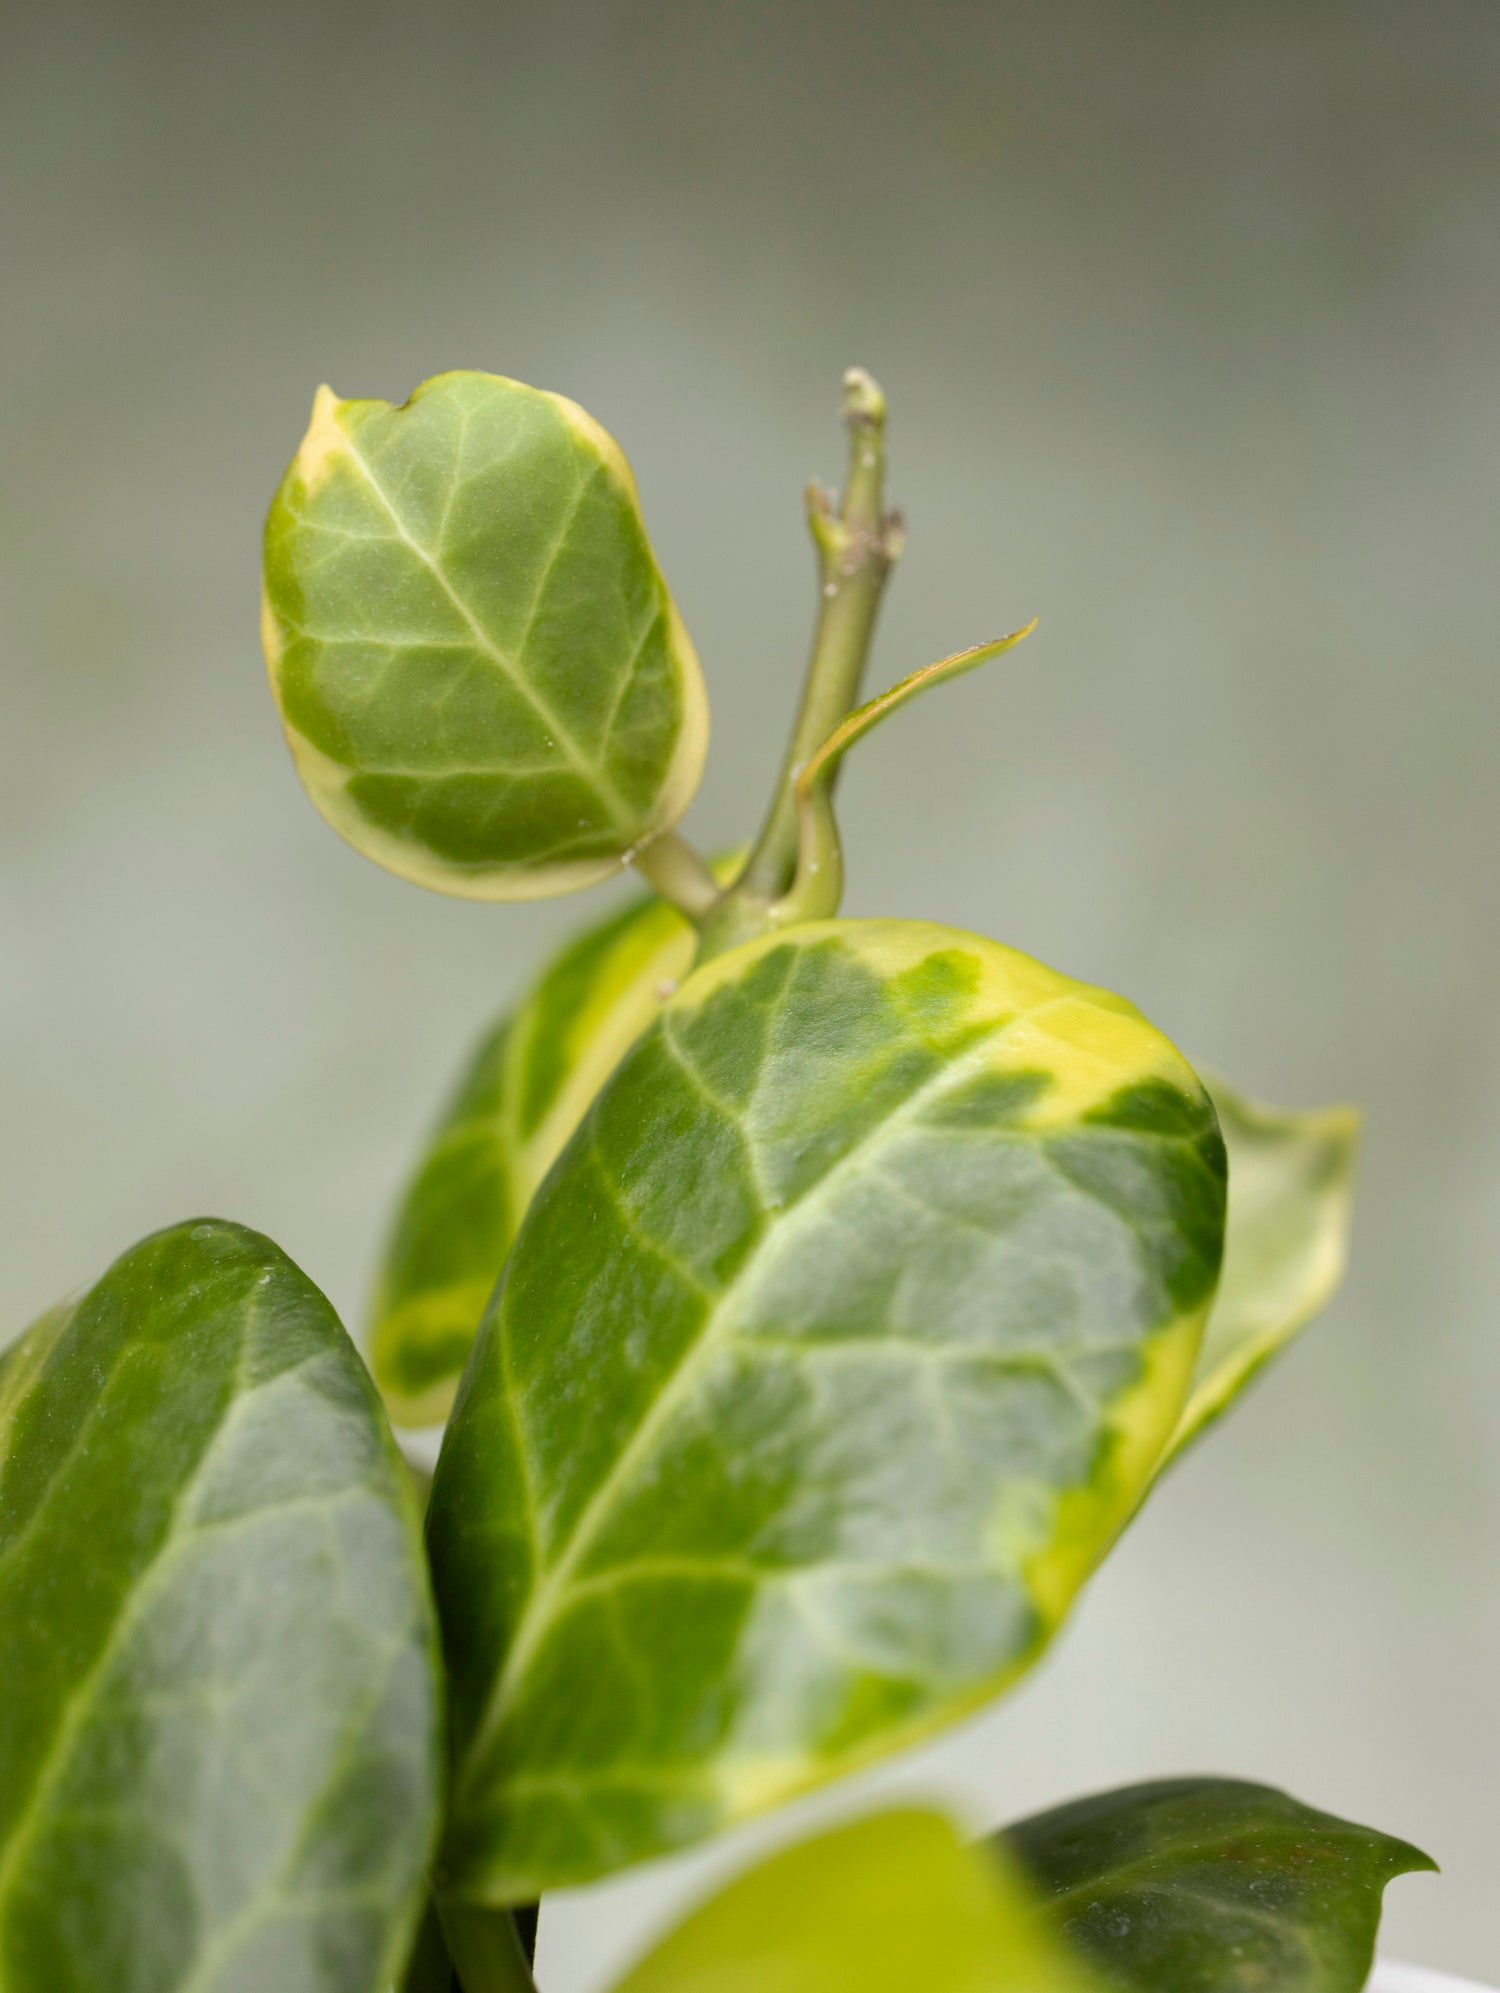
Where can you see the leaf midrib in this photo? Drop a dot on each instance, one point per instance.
(581, 761)
(1253, 1913)
(265, 1901)
(77, 1706)
(1139, 1872)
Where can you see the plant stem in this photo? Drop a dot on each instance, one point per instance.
(678, 873)
(818, 884)
(429, 1969)
(486, 1949)
(857, 546)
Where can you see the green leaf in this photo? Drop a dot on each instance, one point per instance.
(526, 1088)
(890, 1904)
(833, 1352)
(1291, 1181)
(219, 1751)
(1212, 1886)
(483, 679)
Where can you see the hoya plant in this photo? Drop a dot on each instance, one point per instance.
(807, 1305)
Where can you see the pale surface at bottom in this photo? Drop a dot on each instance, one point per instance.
(1389, 1977)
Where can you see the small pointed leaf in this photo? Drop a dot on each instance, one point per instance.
(1212, 1886)
(482, 676)
(818, 887)
(219, 1727)
(1291, 1179)
(888, 1904)
(841, 1339)
(816, 772)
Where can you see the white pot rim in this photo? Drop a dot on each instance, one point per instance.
(1390, 1977)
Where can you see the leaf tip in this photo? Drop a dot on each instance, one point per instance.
(325, 439)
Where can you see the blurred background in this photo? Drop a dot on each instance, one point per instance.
(1187, 316)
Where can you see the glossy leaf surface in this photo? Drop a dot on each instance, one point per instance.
(481, 674)
(885, 1905)
(831, 1355)
(1291, 1183)
(219, 1728)
(1212, 1886)
(528, 1085)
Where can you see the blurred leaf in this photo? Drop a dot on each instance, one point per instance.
(481, 674)
(830, 1357)
(525, 1090)
(1212, 1886)
(219, 1728)
(1291, 1182)
(888, 1904)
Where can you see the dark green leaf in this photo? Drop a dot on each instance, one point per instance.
(482, 676)
(219, 1727)
(831, 1355)
(1212, 1886)
(890, 1904)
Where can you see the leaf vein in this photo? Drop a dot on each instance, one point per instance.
(490, 649)
(539, 1610)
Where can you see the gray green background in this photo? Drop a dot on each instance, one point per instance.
(1187, 314)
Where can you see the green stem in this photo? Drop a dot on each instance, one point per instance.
(818, 883)
(485, 1949)
(857, 546)
(429, 1969)
(678, 873)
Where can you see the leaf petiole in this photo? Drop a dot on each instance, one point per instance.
(678, 872)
